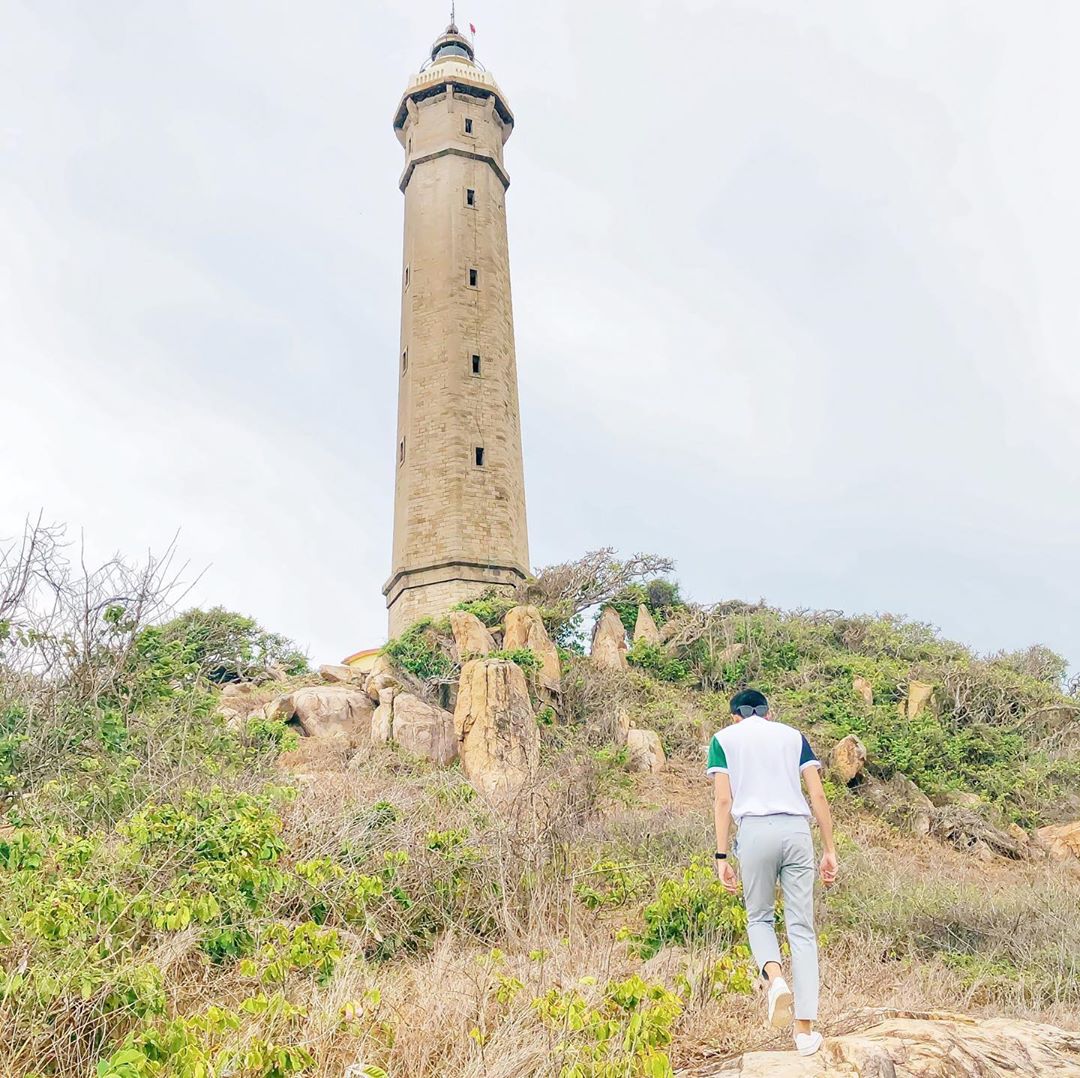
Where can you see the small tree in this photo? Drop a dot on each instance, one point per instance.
(226, 646)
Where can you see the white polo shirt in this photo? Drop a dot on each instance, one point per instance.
(764, 761)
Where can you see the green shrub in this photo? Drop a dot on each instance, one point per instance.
(418, 652)
(657, 661)
(225, 646)
(526, 658)
(621, 1036)
(692, 911)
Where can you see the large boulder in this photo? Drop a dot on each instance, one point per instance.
(645, 627)
(898, 801)
(646, 750)
(382, 676)
(934, 1045)
(848, 758)
(524, 628)
(609, 641)
(1062, 841)
(325, 711)
(470, 634)
(423, 729)
(339, 674)
(498, 738)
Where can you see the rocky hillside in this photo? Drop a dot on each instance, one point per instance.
(489, 855)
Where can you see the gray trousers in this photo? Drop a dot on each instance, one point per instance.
(772, 848)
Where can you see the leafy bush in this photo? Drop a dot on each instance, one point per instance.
(692, 911)
(225, 646)
(656, 661)
(622, 1036)
(524, 657)
(660, 597)
(417, 650)
(491, 607)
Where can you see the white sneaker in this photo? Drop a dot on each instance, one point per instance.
(806, 1044)
(780, 1004)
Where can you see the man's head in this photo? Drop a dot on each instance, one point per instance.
(749, 702)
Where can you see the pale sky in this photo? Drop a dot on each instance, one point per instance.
(795, 285)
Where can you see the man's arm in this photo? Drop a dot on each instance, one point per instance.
(819, 806)
(722, 822)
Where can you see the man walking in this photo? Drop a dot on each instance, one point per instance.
(757, 765)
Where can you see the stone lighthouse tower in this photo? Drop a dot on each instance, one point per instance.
(459, 500)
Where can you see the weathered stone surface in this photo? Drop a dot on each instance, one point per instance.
(423, 729)
(382, 676)
(382, 719)
(498, 737)
(646, 750)
(848, 758)
(324, 710)
(863, 688)
(1061, 841)
(609, 641)
(645, 626)
(919, 696)
(238, 688)
(910, 1045)
(524, 628)
(337, 673)
(899, 801)
(470, 634)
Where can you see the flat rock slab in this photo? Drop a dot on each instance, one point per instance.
(926, 1046)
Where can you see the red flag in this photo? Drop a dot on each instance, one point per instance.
(472, 29)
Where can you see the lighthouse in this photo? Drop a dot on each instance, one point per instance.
(459, 493)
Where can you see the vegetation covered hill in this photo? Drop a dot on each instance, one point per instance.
(179, 898)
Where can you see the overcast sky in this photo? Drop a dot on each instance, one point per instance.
(795, 285)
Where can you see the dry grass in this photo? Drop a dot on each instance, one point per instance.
(888, 929)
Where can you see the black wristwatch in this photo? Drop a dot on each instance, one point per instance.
(720, 856)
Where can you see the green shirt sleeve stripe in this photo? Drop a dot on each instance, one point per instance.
(717, 757)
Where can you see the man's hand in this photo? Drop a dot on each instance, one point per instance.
(728, 876)
(829, 867)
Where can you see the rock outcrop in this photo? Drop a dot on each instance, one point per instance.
(645, 627)
(1062, 841)
(325, 711)
(646, 750)
(415, 725)
(524, 628)
(608, 649)
(471, 635)
(912, 1045)
(848, 758)
(423, 729)
(498, 738)
(339, 674)
(382, 676)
